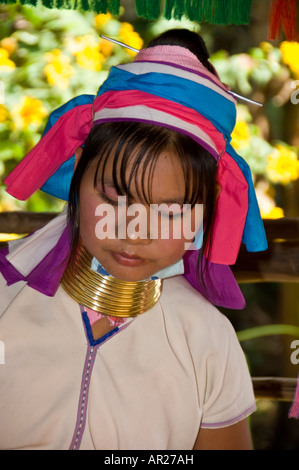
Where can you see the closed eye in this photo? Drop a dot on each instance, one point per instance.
(107, 199)
(171, 211)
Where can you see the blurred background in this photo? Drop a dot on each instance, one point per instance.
(48, 56)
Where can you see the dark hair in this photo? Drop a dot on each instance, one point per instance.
(188, 39)
(146, 142)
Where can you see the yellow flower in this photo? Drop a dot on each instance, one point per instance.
(290, 55)
(283, 165)
(87, 53)
(29, 111)
(266, 46)
(106, 47)
(58, 70)
(10, 44)
(266, 201)
(5, 62)
(130, 37)
(240, 135)
(274, 213)
(4, 113)
(101, 19)
(126, 28)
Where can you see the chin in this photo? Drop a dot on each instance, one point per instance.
(129, 276)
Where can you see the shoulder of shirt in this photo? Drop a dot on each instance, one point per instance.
(180, 299)
(8, 293)
(193, 318)
(179, 291)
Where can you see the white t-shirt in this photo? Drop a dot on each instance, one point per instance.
(150, 384)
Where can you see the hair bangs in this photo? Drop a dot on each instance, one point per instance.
(136, 150)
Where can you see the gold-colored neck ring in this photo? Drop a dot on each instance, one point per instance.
(105, 294)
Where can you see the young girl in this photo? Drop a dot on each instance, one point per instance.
(114, 342)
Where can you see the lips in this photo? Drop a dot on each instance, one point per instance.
(127, 259)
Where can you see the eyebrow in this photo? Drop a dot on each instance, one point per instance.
(170, 201)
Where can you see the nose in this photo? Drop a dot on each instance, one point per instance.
(137, 238)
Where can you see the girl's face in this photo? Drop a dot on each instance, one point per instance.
(134, 250)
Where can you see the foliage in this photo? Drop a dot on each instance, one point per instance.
(46, 58)
(269, 74)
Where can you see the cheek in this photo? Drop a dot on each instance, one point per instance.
(171, 249)
(183, 232)
(88, 219)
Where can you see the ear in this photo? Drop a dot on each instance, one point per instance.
(78, 153)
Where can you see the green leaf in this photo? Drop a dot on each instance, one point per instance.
(267, 330)
(10, 150)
